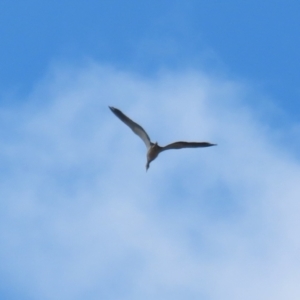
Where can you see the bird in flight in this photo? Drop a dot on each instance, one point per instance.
(153, 149)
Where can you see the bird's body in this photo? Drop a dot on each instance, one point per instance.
(153, 149)
(152, 153)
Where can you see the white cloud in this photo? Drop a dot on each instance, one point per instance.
(80, 217)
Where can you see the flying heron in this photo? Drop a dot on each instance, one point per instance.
(153, 149)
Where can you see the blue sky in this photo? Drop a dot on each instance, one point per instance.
(253, 40)
(79, 216)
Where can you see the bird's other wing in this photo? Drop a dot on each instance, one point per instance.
(180, 145)
(136, 128)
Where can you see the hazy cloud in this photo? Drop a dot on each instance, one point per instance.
(81, 219)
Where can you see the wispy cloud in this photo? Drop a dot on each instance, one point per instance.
(81, 219)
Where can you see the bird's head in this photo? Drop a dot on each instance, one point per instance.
(147, 165)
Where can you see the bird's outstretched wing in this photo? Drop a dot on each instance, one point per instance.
(136, 128)
(180, 145)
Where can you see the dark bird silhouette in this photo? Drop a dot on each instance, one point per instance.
(153, 148)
